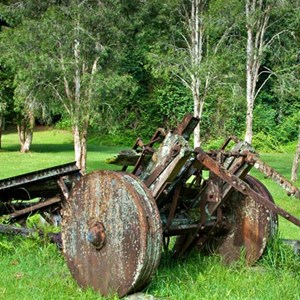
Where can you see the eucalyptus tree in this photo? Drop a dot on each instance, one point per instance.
(72, 50)
(296, 161)
(196, 26)
(6, 94)
(276, 94)
(19, 54)
(81, 43)
(268, 24)
(257, 18)
(209, 28)
(197, 50)
(5, 89)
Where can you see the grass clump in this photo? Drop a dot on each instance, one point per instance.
(206, 277)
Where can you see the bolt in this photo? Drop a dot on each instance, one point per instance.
(96, 235)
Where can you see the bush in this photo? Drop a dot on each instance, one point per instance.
(287, 131)
(266, 143)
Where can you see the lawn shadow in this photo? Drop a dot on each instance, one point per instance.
(42, 148)
(64, 147)
(11, 148)
(53, 148)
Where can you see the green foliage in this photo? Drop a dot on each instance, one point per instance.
(214, 144)
(266, 143)
(142, 63)
(264, 119)
(288, 130)
(64, 123)
(6, 246)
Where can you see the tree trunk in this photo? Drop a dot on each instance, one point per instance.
(250, 88)
(80, 147)
(295, 166)
(196, 49)
(1, 129)
(25, 131)
(197, 111)
(257, 17)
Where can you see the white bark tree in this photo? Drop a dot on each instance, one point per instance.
(25, 132)
(77, 100)
(201, 57)
(78, 53)
(66, 52)
(257, 18)
(296, 161)
(2, 122)
(26, 107)
(195, 46)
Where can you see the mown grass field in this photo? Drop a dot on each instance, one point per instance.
(35, 269)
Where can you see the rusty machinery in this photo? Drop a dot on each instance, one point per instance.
(115, 224)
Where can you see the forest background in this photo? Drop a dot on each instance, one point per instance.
(112, 70)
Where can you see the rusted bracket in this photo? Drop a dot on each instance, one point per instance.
(242, 186)
(64, 189)
(187, 126)
(160, 168)
(173, 208)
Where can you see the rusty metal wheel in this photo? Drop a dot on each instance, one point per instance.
(111, 231)
(251, 225)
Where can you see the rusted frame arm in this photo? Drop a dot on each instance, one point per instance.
(172, 209)
(41, 206)
(242, 186)
(33, 177)
(269, 172)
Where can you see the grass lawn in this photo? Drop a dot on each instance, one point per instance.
(35, 269)
(49, 148)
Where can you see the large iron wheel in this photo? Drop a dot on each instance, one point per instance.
(251, 226)
(111, 231)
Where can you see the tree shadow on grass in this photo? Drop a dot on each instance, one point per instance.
(11, 147)
(42, 148)
(67, 147)
(52, 148)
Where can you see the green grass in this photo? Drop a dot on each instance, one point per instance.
(282, 163)
(35, 269)
(49, 148)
